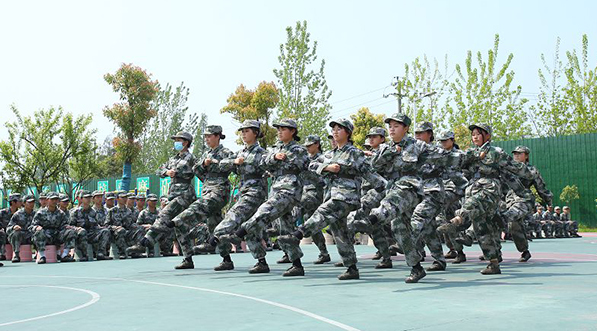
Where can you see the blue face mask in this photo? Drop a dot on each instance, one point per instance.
(178, 145)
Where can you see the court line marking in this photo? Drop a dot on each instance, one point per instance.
(201, 289)
(94, 298)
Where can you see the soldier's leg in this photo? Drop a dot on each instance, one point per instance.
(424, 225)
(81, 241)
(515, 216)
(39, 240)
(15, 238)
(287, 227)
(119, 238)
(342, 238)
(174, 207)
(3, 242)
(101, 238)
(236, 215)
(197, 212)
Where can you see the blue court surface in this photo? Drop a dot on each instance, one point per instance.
(555, 290)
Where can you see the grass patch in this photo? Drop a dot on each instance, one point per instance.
(584, 228)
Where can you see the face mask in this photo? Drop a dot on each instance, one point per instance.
(178, 145)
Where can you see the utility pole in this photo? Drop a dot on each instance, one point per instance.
(398, 94)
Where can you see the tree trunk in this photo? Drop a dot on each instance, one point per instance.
(126, 176)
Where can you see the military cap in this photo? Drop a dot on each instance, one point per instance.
(482, 126)
(63, 197)
(85, 194)
(312, 139)
(399, 117)
(14, 197)
(29, 198)
(423, 126)
(43, 195)
(566, 207)
(97, 192)
(445, 135)
(52, 195)
(343, 122)
(247, 124)
(214, 129)
(152, 197)
(131, 195)
(557, 208)
(376, 131)
(140, 196)
(286, 123)
(183, 135)
(521, 149)
(110, 195)
(122, 194)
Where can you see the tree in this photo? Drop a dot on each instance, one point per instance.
(257, 104)
(303, 92)
(108, 163)
(551, 114)
(45, 148)
(569, 194)
(484, 93)
(171, 117)
(581, 89)
(131, 115)
(198, 142)
(364, 120)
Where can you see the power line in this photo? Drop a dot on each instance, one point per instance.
(360, 95)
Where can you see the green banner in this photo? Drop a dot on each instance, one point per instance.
(164, 186)
(61, 188)
(102, 185)
(142, 184)
(118, 184)
(32, 190)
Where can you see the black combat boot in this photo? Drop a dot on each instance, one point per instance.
(260, 267)
(461, 257)
(296, 269)
(284, 259)
(226, 264)
(525, 256)
(451, 254)
(416, 273)
(187, 263)
(384, 264)
(351, 273)
(437, 266)
(377, 256)
(493, 268)
(323, 258)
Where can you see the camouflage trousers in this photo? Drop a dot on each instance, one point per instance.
(310, 201)
(44, 237)
(192, 222)
(397, 207)
(424, 226)
(3, 242)
(357, 222)
(278, 206)
(174, 207)
(331, 213)
(18, 238)
(239, 213)
(515, 214)
(480, 207)
(123, 237)
(451, 204)
(99, 238)
(572, 227)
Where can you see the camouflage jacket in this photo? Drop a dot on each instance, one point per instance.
(432, 173)
(182, 182)
(22, 219)
(147, 217)
(564, 217)
(101, 214)
(49, 220)
(537, 217)
(286, 173)
(557, 217)
(250, 172)
(214, 176)
(119, 216)
(402, 166)
(311, 181)
(5, 216)
(454, 178)
(354, 167)
(548, 216)
(135, 213)
(84, 218)
(366, 186)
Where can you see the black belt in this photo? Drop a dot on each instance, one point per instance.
(409, 173)
(251, 177)
(181, 181)
(492, 175)
(346, 176)
(288, 172)
(431, 175)
(214, 175)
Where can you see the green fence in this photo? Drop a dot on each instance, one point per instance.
(566, 160)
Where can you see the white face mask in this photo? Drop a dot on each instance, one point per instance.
(178, 145)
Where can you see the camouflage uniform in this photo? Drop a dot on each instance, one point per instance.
(123, 228)
(558, 224)
(204, 214)
(252, 190)
(54, 228)
(537, 220)
(24, 220)
(147, 217)
(181, 193)
(100, 212)
(5, 216)
(286, 191)
(88, 230)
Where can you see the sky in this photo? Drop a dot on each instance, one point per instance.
(55, 53)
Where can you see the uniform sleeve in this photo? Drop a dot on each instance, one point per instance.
(542, 190)
(227, 164)
(14, 220)
(37, 220)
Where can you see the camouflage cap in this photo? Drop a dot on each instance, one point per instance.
(312, 139)
(557, 208)
(399, 117)
(376, 131)
(14, 197)
(566, 207)
(85, 194)
(286, 123)
(63, 197)
(141, 196)
(423, 126)
(43, 195)
(110, 195)
(29, 198)
(446, 135)
(122, 194)
(152, 197)
(248, 124)
(97, 192)
(343, 122)
(183, 135)
(522, 149)
(131, 195)
(482, 126)
(52, 195)
(214, 129)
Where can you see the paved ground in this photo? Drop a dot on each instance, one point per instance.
(555, 290)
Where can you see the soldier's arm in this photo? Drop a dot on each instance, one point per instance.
(14, 220)
(507, 163)
(542, 190)
(37, 221)
(298, 159)
(227, 163)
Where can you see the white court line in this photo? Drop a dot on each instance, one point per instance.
(94, 298)
(271, 303)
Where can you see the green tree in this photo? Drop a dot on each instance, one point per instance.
(569, 194)
(257, 104)
(171, 117)
(48, 147)
(131, 115)
(364, 120)
(198, 142)
(304, 92)
(484, 92)
(581, 89)
(109, 164)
